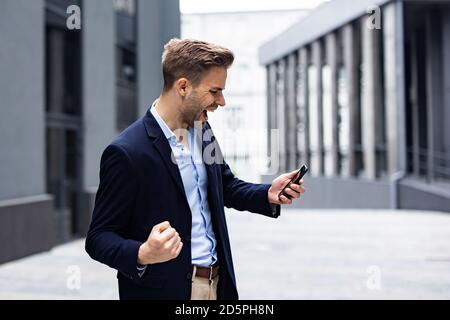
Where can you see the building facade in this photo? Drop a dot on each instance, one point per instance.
(73, 74)
(360, 92)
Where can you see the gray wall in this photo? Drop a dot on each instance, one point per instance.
(99, 90)
(27, 226)
(446, 71)
(22, 156)
(419, 196)
(158, 22)
(334, 193)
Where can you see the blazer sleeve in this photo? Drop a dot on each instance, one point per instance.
(247, 196)
(106, 239)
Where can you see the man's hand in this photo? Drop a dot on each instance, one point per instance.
(163, 244)
(295, 190)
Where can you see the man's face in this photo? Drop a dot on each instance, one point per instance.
(205, 97)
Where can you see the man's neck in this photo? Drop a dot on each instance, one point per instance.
(168, 111)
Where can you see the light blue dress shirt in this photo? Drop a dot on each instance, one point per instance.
(195, 182)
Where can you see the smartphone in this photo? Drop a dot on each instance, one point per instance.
(296, 179)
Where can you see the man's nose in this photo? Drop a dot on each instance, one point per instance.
(221, 100)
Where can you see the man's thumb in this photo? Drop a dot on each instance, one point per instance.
(292, 174)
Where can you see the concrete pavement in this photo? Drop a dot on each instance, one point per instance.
(305, 254)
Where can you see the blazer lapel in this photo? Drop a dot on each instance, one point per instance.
(208, 141)
(162, 146)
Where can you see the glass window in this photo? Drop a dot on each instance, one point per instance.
(126, 58)
(327, 120)
(272, 115)
(343, 121)
(63, 62)
(302, 104)
(313, 121)
(359, 158)
(281, 111)
(381, 147)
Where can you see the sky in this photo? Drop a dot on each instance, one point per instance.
(202, 6)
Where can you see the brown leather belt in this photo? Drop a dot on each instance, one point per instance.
(207, 272)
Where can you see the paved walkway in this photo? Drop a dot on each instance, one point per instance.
(305, 254)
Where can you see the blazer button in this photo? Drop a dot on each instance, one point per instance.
(188, 238)
(189, 276)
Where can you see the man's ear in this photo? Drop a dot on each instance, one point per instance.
(183, 86)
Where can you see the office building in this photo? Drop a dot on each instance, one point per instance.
(73, 74)
(360, 92)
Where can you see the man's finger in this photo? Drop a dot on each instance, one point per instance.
(297, 188)
(285, 200)
(177, 252)
(175, 246)
(292, 193)
(173, 242)
(291, 174)
(162, 226)
(168, 234)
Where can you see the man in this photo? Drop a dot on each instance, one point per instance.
(159, 211)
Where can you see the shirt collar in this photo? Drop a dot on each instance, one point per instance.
(166, 130)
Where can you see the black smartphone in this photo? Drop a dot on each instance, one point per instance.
(296, 179)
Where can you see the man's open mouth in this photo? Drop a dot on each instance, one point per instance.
(204, 114)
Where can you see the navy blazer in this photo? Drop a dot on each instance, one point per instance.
(140, 187)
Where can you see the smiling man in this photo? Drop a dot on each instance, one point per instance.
(159, 215)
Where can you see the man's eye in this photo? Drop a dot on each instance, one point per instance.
(213, 92)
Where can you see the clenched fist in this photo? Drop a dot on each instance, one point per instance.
(163, 244)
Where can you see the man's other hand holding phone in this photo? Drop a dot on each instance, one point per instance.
(287, 187)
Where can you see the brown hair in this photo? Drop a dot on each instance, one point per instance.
(191, 59)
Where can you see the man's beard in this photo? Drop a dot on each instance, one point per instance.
(192, 112)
